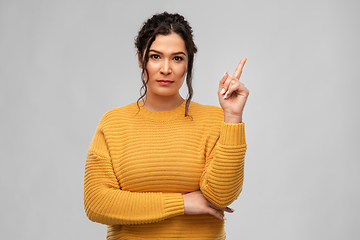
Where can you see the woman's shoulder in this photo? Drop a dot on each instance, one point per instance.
(208, 112)
(197, 107)
(122, 112)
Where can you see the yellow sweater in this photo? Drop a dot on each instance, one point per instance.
(140, 163)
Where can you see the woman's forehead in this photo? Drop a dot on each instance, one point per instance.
(168, 43)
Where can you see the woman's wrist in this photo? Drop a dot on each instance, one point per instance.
(232, 118)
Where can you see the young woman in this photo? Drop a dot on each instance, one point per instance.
(164, 167)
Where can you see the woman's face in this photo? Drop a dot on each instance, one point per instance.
(167, 66)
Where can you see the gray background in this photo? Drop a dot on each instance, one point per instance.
(63, 64)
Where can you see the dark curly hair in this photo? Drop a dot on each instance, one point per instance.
(165, 24)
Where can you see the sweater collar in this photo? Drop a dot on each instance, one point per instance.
(163, 115)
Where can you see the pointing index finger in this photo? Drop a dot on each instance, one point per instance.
(239, 68)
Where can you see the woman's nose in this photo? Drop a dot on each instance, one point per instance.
(166, 68)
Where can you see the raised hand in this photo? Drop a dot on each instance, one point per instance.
(196, 203)
(233, 95)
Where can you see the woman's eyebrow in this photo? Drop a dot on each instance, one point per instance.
(176, 53)
(179, 53)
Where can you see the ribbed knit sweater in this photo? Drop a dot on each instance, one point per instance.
(140, 163)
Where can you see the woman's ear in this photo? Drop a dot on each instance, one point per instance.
(139, 59)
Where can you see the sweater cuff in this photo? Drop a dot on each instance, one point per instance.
(232, 134)
(173, 204)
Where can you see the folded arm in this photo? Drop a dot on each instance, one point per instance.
(223, 176)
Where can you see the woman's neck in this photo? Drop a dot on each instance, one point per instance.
(161, 103)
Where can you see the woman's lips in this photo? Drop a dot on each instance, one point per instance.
(165, 82)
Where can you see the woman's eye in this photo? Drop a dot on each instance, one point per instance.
(177, 58)
(154, 56)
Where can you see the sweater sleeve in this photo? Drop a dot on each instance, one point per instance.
(105, 202)
(223, 176)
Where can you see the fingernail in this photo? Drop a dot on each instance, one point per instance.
(224, 218)
(225, 96)
(232, 209)
(223, 91)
